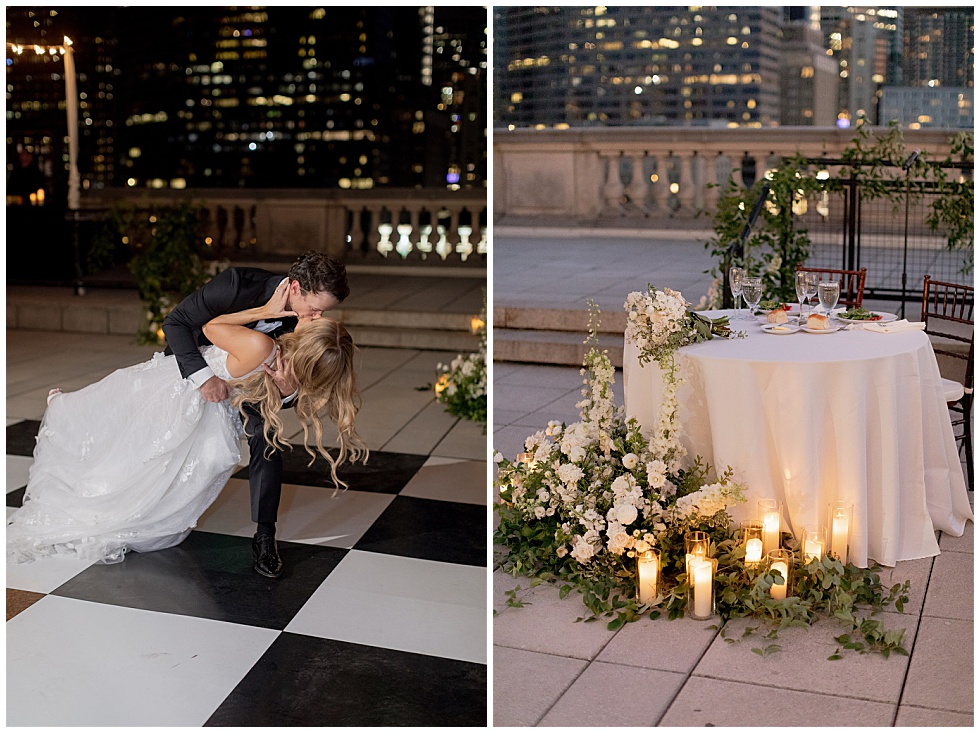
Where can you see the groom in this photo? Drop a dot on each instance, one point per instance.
(317, 283)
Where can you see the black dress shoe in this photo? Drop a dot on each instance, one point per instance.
(265, 556)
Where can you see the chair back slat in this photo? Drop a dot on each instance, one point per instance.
(947, 312)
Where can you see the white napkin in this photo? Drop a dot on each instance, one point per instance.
(895, 326)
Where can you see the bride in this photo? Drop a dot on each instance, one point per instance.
(132, 461)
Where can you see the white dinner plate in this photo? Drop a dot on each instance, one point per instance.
(833, 329)
(885, 318)
(780, 329)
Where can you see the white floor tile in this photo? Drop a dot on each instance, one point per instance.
(306, 514)
(45, 575)
(17, 470)
(465, 440)
(78, 663)
(450, 479)
(401, 603)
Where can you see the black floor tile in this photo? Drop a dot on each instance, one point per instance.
(385, 472)
(16, 498)
(307, 681)
(430, 530)
(209, 576)
(20, 437)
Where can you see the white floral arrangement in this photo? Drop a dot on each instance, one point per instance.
(598, 490)
(462, 384)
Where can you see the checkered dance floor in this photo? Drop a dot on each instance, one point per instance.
(378, 620)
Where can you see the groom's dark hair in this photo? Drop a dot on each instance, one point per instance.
(318, 273)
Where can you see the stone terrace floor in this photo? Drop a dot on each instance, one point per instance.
(550, 671)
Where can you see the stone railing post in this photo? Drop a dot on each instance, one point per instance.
(685, 184)
(710, 187)
(612, 191)
(661, 187)
(637, 189)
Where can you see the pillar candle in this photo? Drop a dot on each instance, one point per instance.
(839, 539)
(812, 549)
(779, 591)
(770, 532)
(753, 551)
(702, 586)
(648, 569)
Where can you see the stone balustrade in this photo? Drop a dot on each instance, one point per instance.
(383, 225)
(585, 175)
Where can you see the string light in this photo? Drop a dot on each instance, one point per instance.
(40, 50)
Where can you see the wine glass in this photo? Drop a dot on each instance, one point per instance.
(735, 277)
(752, 292)
(801, 291)
(810, 281)
(829, 293)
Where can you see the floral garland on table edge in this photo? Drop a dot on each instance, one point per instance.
(585, 498)
(462, 384)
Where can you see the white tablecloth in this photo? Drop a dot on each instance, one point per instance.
(811, 419)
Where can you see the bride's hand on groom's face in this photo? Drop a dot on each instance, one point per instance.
(277, 305)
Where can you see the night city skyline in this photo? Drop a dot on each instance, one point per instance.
(732, 66)
(286, 97)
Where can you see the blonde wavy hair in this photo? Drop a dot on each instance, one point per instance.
(321, 357)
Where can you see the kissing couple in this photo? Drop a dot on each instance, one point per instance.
(131, 462)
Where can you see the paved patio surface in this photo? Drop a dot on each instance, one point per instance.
(549, 670)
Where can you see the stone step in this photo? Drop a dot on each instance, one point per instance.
(117, 311)
(551, 347)
(556, 319)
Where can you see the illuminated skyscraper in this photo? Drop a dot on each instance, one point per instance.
(690, 65)
(864, 43)
(350, 97)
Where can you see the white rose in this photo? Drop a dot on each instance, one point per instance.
(539, 512)
(642, 546)
(498, 457)
(629, 461)
(626, 513)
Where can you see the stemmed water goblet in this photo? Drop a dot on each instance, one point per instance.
(810, 280)
(736, 276)
(752, 292)
(801, 292)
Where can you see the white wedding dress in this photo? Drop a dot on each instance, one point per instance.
(128, 463)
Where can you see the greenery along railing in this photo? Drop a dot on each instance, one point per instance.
(802, 191)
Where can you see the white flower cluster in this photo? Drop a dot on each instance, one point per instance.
(657, 322)
(607, 490)
(708, 500)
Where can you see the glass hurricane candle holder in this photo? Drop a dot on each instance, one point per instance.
(752, 541)
(696, 544)
(526, 458)
(701, 594)
(781, 562)
(648, 577)
(813, 543)
(841, 520)
(770, 514)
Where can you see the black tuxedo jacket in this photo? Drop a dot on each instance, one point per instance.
(233, 290)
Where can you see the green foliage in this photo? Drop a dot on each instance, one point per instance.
(874, 159)
(165, 254)
(776, 245)
(825, 589)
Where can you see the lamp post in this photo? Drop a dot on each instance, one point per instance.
(74, 180)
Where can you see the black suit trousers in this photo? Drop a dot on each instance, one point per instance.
(264, 470)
